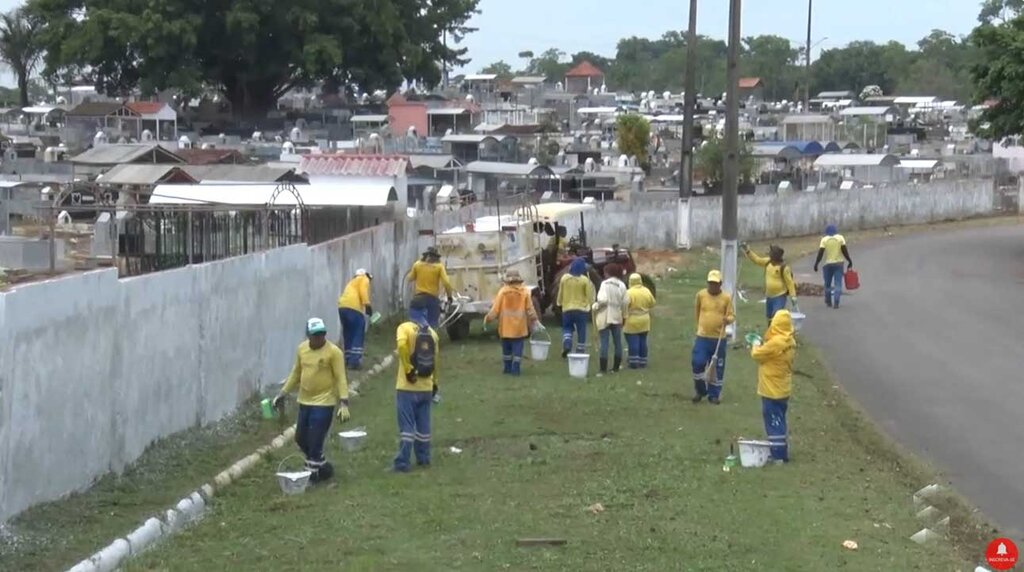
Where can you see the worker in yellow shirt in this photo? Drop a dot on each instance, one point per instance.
(429, 276)
(778, 279)
(353, 310)
(639, 304)
(418, 359)
(575, 298)
(714, 312)
(516, 316)
(832, 249)
(559, 243)
(319, 376)
(774, 359)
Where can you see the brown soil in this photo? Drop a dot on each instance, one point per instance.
(805, 289)
(659, 263)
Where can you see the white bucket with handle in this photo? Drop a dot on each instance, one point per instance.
(798, 319)
(539, 348)
(579, 365)
(754, 454)
(292, 482)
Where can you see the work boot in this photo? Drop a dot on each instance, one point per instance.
(604, 365)
(618, 364)
(565, 353)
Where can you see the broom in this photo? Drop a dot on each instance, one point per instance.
(711, 372)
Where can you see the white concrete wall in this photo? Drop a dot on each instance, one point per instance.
(93, 369)
(799, 214)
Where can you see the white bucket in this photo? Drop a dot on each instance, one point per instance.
(353, 440)
(539, 348)
(754, 454)
(292, 482)
(798, 319)
(579, 365)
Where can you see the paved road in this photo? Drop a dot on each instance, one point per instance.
(932, 346)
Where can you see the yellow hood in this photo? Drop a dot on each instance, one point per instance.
(781, 326)
(635, 280)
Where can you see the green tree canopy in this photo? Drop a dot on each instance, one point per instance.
(252, 50)
(634, 134)
(500, 68)
(998, 74)
(20, 48)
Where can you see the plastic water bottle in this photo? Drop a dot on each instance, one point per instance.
(730, 461)
(267, 407)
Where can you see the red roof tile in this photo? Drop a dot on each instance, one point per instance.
(750, 82)
(145, 107)
(585, 69)
(352, 165)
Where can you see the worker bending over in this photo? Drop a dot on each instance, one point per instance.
(353, 310)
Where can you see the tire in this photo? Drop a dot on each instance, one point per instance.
(649, 283)
(458, 329)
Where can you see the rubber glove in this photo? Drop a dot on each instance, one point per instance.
(343, 414)
(435, 394)
(278, 401)
(793, 301)
(730, 330)
(410, 376)
(541, 327)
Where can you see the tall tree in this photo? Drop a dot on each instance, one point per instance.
(634, 138)
(548, 64)
(20, 48)
(997, 74)
(252, 50)
(771, 58)
(500, 68)
(860, 64)
(999, 11)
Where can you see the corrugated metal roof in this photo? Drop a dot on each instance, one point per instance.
(546, 212)
(212, 156)
(926, 164)
(115, 154)
(40, 109)
(876, 110)
(369, 119)
(318, 195)
(803, 119)
(857, 160)
(447, 111)
(529, 80)
(95, 109)
(238, 173)
(509, 169)
(835, 94)
(480, 77)
(342, 165)
(434, 162)
(136, 174)
(472, 138)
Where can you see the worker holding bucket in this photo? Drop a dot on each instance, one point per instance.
(516, 316)
(714, 311)
(319, 377)
(833, 250)
(575, 298)
(353, 310)
(774, 357)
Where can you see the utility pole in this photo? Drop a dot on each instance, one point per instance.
(689, 105)
(807, 61)
(730, 189)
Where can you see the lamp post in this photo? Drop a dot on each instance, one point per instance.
(807, 61)
(689, 105)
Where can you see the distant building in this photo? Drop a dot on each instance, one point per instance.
(751, 88)
(583, 78)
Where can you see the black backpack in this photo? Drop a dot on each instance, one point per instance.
(423, 353)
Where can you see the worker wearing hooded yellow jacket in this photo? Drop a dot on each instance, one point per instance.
(639, 304)
(774, 359)
(516, 316)
(353, 309)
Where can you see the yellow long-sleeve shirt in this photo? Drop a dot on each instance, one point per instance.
(319, 375)
(513, 308)
(356, 295)
(833, 246)
(775, 358)
(405, 341)
(429, 277)
(639, 304)
(575, 293)
(778, 278)
(713, 312)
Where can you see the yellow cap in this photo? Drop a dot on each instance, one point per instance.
(715, 276)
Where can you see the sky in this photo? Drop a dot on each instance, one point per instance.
(507, 27)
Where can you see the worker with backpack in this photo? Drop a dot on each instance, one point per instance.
(778, 279)
(416, 388)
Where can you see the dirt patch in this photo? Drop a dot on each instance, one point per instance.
(660, 263)
(806, 289)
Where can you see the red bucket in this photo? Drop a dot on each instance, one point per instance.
(851, 279)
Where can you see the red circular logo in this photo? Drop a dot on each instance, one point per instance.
(1002, 554)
